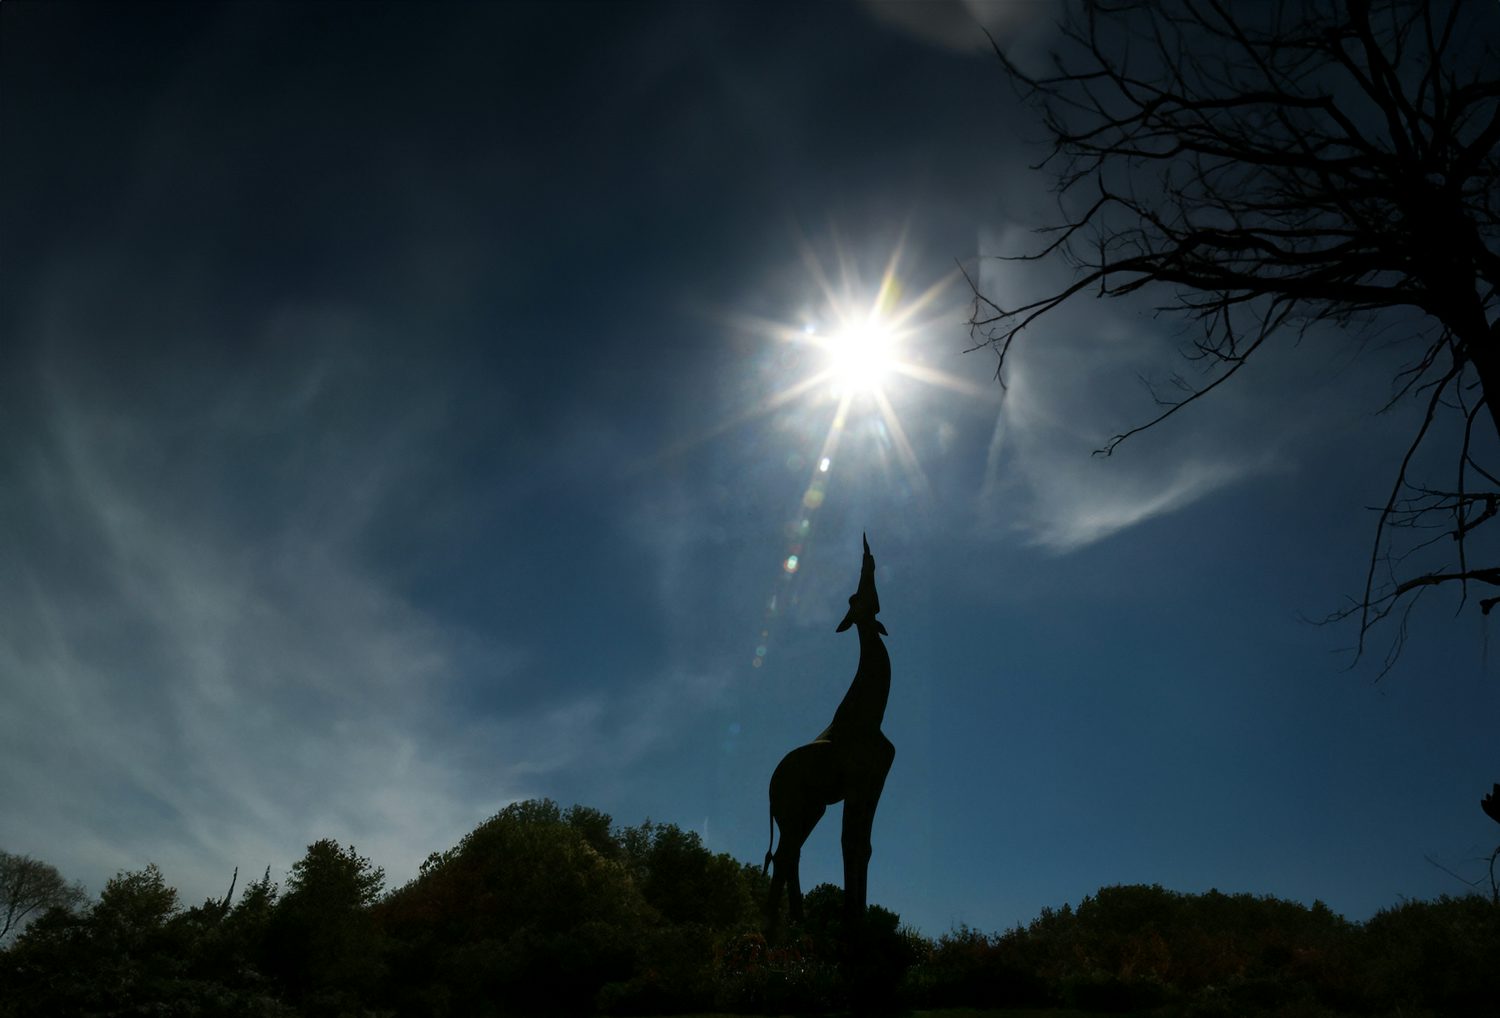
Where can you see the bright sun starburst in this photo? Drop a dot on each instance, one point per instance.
(866, 342)
(861, 354)
(866, 345)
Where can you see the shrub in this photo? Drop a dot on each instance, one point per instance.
(797, 976)
(1441, 955)
(967, 967)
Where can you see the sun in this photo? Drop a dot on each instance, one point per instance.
(867, 358)
(866, 342)
(869, 339)
(861, 355)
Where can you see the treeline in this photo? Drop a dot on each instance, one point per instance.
(541, 910)
(1143, 948)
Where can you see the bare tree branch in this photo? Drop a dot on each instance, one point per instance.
(29, 887)
(1328, 162)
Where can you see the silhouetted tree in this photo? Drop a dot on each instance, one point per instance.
(135, 905)
(136, 952)
(874, 958)
(49, 969)
(256, 905)
(697, 902)
(529, 913)
(29, 887)
(321, 941)
(456, 949)
(126, 954)
(229, 942)
(1267, 167)
(596, 828)
(684, 881)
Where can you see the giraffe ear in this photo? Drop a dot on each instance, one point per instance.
(881, 627)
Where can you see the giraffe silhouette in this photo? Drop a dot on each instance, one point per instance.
(848, 762)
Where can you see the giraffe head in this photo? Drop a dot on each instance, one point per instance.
(864, 603)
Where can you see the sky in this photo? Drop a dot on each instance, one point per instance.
(409, 410)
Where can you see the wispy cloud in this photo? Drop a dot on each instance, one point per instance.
(208, 661)
(961, 25)
(207, 692)
(1073, 384)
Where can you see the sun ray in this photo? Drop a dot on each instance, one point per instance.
(889, 292)
(814, 265)
(835, 430)
(932, 376)
(772, 401)
(923, 300)
(904, 451)
(869, 339)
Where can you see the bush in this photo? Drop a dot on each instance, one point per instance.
(1105, 991)
(1139, 948)
(967, 967)
(797, 976)
(1440, 955)
(544, 911)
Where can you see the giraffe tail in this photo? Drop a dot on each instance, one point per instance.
(766, 868)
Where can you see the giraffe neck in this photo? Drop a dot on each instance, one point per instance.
(863, 707)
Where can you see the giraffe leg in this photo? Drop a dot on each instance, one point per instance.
(773, 901)
(786, 873)
(859, 818)
(794, 889)
(786, 862)
(859, 821)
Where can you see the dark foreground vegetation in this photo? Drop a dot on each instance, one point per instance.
(545, 911)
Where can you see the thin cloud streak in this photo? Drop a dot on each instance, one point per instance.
(963, 26)
(206, 691)
(243, 696)
(1064, 400)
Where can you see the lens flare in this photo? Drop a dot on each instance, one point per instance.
(857, 350)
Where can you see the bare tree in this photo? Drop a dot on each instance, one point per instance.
(29, 886)
(1267, 167)
(1491, 806)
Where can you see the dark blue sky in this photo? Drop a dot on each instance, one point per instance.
(394, 426)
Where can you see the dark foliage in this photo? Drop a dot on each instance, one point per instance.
(1137, 948)
(525, 914)
(1441, 955)
(819, 965)
(542, 910)
(320, 943)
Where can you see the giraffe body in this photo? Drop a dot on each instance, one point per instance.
(847, 762)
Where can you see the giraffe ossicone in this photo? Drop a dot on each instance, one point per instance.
(848, 762)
